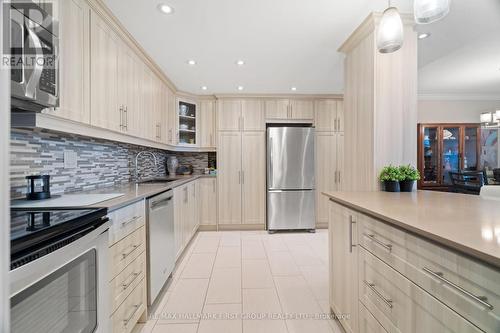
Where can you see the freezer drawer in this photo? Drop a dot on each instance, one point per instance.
(287, 210)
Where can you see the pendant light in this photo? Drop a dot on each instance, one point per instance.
(428, 11)
(390, 31)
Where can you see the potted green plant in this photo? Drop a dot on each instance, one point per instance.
(408, 177)
(390, 177)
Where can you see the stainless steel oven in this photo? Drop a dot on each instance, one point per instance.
(59, 282)
(33, 61)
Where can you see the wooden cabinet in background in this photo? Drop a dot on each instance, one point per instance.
(241, 162)
(329, 171)
(289, 109)
(207, 123)
(446, 147)
(329, 115)
(208, 201)
(241, 115)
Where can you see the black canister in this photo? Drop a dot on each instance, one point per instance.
(38, 187)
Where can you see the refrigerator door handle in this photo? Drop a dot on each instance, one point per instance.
(271, 161)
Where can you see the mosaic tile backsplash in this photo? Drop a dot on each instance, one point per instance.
(101, 163)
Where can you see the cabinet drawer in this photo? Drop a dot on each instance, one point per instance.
(126, 251)
(367, 322)
(123, 284)
(125, 220)
(129, 312)
(468, 287)
(399, 305)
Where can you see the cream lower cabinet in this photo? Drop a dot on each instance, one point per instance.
(208, 201)
(329, 169)
(343, 265)
(389, 280)
(186, 215)
(241, 178)
(127, 270)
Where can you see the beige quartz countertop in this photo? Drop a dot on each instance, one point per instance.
(466, 223)
(134, 192)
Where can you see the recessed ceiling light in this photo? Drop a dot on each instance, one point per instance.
(424, 35)
(204, 88)
(191, 62)
(293, 88)
(240, 88)
(240, 62)
(165, 9)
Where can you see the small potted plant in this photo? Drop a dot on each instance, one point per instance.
(390, 177)
(408, 177)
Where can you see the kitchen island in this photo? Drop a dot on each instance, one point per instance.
(399, 257)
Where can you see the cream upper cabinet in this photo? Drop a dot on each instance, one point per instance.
(340, 116)
(277, 109)
(253, 115)
(207, 123)
(343, 265)
(74, 61)
(147, 103)
(105, 109)
(229, 177)
(229, 115)
(289, 109)
(325, 115)
(171, 119)
(158, 109)
(301, 109)
(208, 200)
(253, 178)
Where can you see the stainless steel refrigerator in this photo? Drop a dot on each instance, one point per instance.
(290, 178)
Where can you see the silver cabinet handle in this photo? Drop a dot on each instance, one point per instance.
(372, 237)
(371, 285)
(134, 277)
(211, 140)
(243, 177)
(239, 177)
(125, 117)
(351, 224)
(214, 188)
(483, 300)
(135, 218)
(136, 308)
(126, 254)
(335, 178)
(122, 116)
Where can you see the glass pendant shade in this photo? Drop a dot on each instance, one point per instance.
(428, 11)
(390, 31)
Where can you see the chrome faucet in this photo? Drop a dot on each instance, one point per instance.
(137, 159)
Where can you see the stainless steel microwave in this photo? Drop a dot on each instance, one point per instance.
(33, 60)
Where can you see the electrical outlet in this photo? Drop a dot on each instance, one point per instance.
(70, 159)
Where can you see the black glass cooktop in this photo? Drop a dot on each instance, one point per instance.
(34, 229)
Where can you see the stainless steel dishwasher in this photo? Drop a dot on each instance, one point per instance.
(160, 242)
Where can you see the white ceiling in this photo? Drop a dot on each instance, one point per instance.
(284, 43)
(462, 57)
(287, 43)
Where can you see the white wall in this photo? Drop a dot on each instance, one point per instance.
(4, 187)
(453, 111)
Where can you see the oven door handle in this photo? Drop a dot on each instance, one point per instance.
(34, 80)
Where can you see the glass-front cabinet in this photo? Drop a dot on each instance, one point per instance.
(445, 148)
(187, 115)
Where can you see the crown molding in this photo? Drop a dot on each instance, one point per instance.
(368, 26)
(458, 97)
(283, 96)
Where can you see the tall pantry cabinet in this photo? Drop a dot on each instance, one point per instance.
(329, 115)
(241, 162)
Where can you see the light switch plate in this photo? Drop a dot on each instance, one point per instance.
(70, 159)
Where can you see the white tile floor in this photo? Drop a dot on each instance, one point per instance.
(247, 282)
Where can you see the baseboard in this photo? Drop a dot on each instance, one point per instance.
(242, 227)
(207, 228)
(321, 225)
